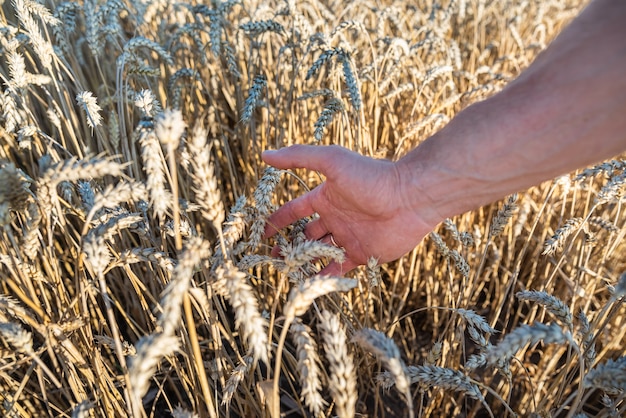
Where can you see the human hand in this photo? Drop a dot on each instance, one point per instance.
(362, 205)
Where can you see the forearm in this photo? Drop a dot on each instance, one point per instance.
(567, 110)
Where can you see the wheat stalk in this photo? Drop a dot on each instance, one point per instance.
(342, 378)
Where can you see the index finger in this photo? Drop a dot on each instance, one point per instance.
(322, 158)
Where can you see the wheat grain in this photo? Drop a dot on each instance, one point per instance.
(153, 166)
(612, 190)
(332, 107)
(179, 412)
(388, 353)
(150, 350)
(147, 103)
(170, 127)
(352, 81)
(501, 219)
(232, 230)
(308, 368)
(131, 47)
(607, 168)
(441, 246)
(20, 339)
(89, 104)
(195, 251)
(323, 59)
(247, 318)
(610, 405)
(342, 378)
(476, 321)
(372, 270)
(551, 303)
(260, 27)
(603, 223)
(235, 379)
(14, 192)
(153, 255)
(263, 204)
(82, 409)
(556, 242)
(113, 195)
(205, 182)
(609, 376)
(296, 256)
(303, 295)
(460, 263)
(526, 334)
(588, 339)
(620, 288)
(442, 377)
(254, 96)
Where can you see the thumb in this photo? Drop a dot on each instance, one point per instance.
(312, 157)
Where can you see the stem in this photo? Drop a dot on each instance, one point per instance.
(275, 399)
(197, 356)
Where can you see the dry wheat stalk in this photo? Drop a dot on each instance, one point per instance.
(308, 368)
(88, 102)
(150, 350)
(556, 242)
(195, 251)
(169, 127)
(448, 379)
(588, 339)
(259, 27)
(332, 107)
(388, 353)
(526, 334)
(254, 96)
(235, 379)
(205, 182)
(179, 412)
(14, 192)
(297, 255)
(612, 190)
(154, 167)
(342, 378)
(609, 376)
(247, 317)
(302, 296)
(551, 303)
(82, 410)
(352, 81)
(263, 204)
(500, 220)
(475, 321)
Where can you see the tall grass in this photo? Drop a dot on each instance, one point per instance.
(134, 278)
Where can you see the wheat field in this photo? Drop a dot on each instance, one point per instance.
(135, 280)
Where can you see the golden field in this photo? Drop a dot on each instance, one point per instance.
(134, 277)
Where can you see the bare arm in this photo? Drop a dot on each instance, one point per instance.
(567, 110)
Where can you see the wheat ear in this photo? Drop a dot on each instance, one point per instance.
(342, 378)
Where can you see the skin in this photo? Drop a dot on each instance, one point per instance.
(566, 111)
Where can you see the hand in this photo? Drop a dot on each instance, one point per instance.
(361, 205)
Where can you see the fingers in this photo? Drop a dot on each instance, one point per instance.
(315, 230)
(290, 212)
(312, 157)
(338, 269)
